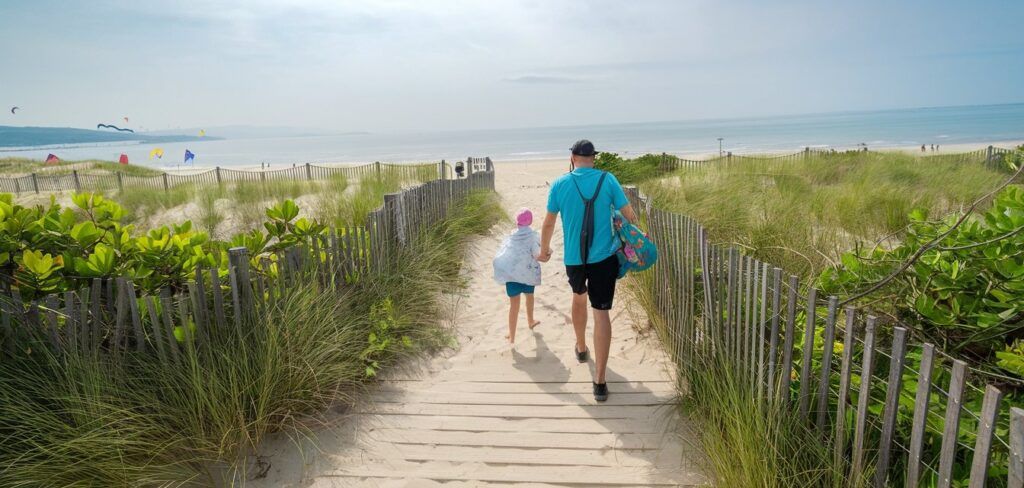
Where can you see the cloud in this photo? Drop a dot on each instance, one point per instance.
(543, 80)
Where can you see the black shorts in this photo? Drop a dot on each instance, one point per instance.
(597, 279)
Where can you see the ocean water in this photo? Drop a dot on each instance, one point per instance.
(877, 129)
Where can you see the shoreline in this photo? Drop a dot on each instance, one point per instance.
(547, 157)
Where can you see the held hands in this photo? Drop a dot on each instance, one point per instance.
(545, 255)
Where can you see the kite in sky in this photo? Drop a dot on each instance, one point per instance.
(52, 159)
(189, 157)
(202, 133)
(156, 152)
(126, 120)
(107, 126)
(14, 108)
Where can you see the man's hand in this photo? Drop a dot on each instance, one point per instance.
(546, 231)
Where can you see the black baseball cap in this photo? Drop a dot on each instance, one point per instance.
(583, 147)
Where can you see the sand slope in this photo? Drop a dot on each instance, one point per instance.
(489, 413)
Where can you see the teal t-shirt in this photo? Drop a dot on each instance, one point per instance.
(564, 199)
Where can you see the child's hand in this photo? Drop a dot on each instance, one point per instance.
(545, 255)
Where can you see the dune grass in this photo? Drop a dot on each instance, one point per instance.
(93, 421)
(18, 166)
(801, 215)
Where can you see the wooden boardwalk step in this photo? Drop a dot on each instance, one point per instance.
(449, 398)
(492, 424)
(557, 475)
(534, 440)
(516, 411)
(662, 387)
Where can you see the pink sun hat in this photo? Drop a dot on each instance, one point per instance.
(524, 217)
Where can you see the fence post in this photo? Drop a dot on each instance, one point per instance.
(74, 175)
(441, 169)
(309, 172)
(892, 397)
(918, 425)
(216, 172)
(469, 167)
(951, 426)
(120, 182)
(988, 155)
(238, 258)
(376, 166)
(35, 182)
(985, 431)
(167, 187)
(1016, 455)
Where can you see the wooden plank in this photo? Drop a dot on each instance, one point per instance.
(448, 398)
(506, 455)
(892, 396)
(824, 382)
(518, 411)
(198, 314)
(787, 348)
(919, 422)
(849, 344)
(863, 397)
(985, 432)
(83, 320)
(218, 298)
(70, 325)
(199, 300)
(166, 310)
(155, 330)
(761, 324)
(773, 334)
(804, 396)
(584, 475)
(1015, 478)
(533, 440)
(121, 315)
(951, 426)
(660, 387)
(97, 312)
(52, 306)
(183, 319)
(136, 317)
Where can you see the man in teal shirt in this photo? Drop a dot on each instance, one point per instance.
(593, 280)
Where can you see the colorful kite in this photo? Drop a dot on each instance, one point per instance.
(189, 157)
(107, 126)
(123, 159)
(126, 120)
(52, 159)
(14, 108)
(157, 153)
(202, 133)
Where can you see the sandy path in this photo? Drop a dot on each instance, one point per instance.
(487, 413)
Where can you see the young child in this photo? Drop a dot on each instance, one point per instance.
(516, 267)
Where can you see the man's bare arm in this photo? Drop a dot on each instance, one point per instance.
(546, 231)
(629, 214)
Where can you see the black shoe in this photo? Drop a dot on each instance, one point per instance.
(601, 392)
(581, 356)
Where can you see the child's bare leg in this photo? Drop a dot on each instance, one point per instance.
(529, 311)
(513, 316)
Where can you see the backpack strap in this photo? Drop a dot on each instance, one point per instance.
(587, 229)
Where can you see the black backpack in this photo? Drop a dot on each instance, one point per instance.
(587, 231)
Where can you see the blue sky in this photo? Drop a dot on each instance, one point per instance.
(433, 64)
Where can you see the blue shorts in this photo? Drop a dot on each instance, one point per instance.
(514, 289)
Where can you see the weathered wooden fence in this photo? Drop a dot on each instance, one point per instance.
(83, 181)
(990, 156)
(112, 316)
(716, 302)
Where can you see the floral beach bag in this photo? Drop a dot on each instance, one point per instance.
(636, 251)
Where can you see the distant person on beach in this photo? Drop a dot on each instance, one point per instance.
(516, 267)
(922, 148)
(585, 198)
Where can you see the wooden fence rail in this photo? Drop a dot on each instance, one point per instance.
(111, 316)
(716, 302)
(990, 156)
(81, 181)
